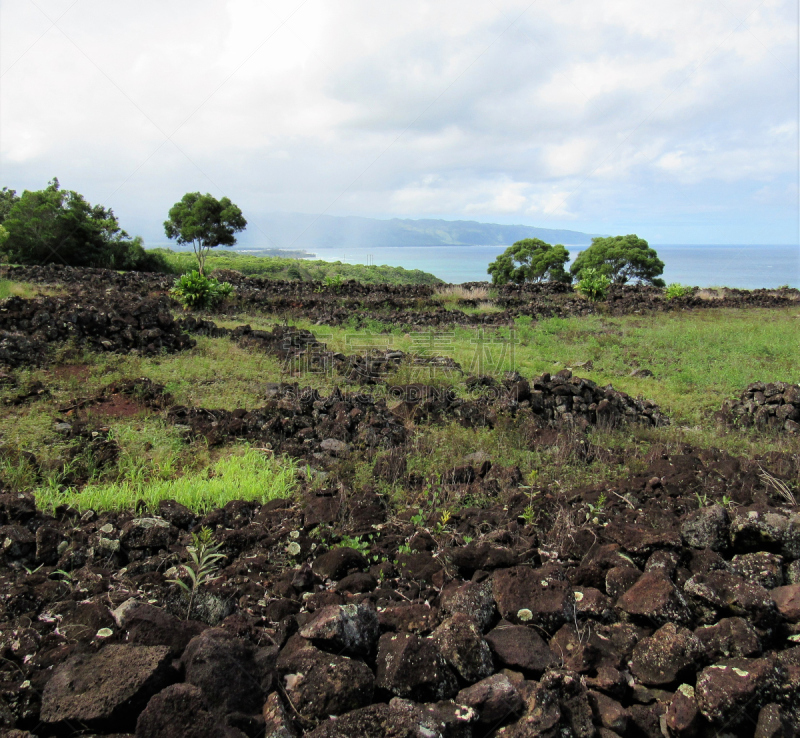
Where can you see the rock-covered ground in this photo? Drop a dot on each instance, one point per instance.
(664, 601)
(92, 290)
(671, 606)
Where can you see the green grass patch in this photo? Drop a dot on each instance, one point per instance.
(307, 270)
(251, 475)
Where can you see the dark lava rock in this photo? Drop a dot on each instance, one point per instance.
(731, 692)
(224, 667)
(683, 716)
(729, 637)
(760, 567)
(321, 684)
(666, 655)
(179, 711)
(558, 705)
(400, 719)
(520, 647)
(721, 593)
(473, 598)
(109, 688)
(463, 648)
(152, 626)
(495, 698)
(410, 666)
(351, 629)
(787, 600)
(707, 527)
(413, 617)
(608, 712)
(339, 562)
(525, 595)
(154, 533)
(655, 599)
(276, 720)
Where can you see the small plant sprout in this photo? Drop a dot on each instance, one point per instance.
(528, 515)
(203, 566)
(702, 500)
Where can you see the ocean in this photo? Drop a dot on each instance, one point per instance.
(745, 267)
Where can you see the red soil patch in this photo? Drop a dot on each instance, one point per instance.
(117, 406)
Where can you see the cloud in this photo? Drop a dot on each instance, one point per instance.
(492, 110)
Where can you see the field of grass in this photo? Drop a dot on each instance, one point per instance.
(698, 359)
(307, 270)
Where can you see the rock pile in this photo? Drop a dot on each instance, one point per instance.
(300, 422)
(661, 617)
(774, 405)
(120, 324)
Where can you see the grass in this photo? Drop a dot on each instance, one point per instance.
(699, 358)
(274, 267)
(9, 288)
(455, 292)
(248, 475)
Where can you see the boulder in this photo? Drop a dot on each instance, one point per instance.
(520, 647)
(731, 692)
(654, 599)
(728, 638)
(707, 527)
(107, 689)
(339, 562)
(350, 629)
(321, 684)
(495, 698)
(463, 648)
(666, 655)
(525, 595)
(412, 667)
(179, 711)
(224, 667)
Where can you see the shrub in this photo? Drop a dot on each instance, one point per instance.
(593, 284)
(675, 290)
(193, 290)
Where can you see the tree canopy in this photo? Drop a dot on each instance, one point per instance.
(530, 260)
(59, 226)
(205, 223)
(621, 259)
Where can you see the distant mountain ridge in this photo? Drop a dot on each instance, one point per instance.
(309, 232)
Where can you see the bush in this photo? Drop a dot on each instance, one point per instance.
(593, 284)
(675, 290)
(193, 290)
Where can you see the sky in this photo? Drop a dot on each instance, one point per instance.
(673, 119)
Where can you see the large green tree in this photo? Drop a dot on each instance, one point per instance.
(205, 223)
(621, 259)
(530, 260)
(59, 226)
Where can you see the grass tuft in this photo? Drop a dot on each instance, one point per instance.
(252, 475)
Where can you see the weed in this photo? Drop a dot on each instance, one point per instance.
(203, 566)
(194, 290)
(702, 499)
(359, 543)
(593, 284)
(675, 290)
(778, 485)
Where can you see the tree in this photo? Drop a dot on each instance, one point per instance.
(530, 260)
(205, 223)
(621, 258)
(59, 226)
